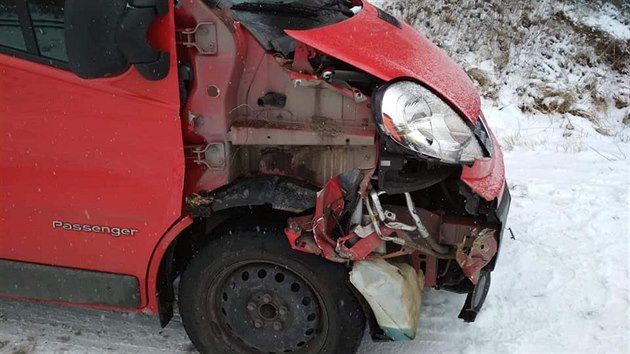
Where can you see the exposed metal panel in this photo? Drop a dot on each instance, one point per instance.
(313, 164)
(326, 135)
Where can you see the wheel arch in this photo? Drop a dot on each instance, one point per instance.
(278, 192)
(254, 197)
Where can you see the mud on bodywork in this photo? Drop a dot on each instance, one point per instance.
(280, 193)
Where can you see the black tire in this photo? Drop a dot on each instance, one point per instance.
(476, 298)
(249, 292)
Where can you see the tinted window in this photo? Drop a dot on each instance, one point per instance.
(10, 30)
(47, 17)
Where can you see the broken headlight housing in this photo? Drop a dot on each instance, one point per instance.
(420, 121)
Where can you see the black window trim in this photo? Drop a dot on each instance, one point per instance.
(28, 32)
(26, 22)
(34, 58)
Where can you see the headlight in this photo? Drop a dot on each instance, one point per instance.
(417, 119)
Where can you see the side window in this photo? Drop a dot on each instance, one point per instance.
(34, 30)
(47, 19)
(10, 30)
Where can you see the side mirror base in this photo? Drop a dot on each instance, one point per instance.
(105, 37)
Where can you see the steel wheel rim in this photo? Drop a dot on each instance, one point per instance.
(263, 306)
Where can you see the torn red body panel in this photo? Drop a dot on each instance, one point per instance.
(476, 256)
(487, 176)
(316, 233)
(323, 234)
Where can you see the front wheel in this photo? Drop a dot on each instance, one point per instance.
(250, 292)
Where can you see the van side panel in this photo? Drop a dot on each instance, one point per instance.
(92, 171)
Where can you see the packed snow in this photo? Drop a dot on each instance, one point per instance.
(562, 283)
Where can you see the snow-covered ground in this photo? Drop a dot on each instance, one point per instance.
(563, 283)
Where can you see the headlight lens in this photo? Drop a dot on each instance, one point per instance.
(419, 120)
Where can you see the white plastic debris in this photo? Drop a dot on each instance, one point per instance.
(394, 292)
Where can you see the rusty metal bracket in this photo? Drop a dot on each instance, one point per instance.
(203, 37)
(473, 257)
(211, 156)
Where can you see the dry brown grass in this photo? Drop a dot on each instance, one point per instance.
(613, 51)
(479, 76)
(620, 102)
(554, 101)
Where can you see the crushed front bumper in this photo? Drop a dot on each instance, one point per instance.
(476, 298)
(486, 177)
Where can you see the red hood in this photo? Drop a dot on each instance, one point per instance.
(388, 52)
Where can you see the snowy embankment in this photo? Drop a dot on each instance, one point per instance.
(563, 283)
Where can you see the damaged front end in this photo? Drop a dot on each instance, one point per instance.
(360, 106)
(397, 248)
(432, 210)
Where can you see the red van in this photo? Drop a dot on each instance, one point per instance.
(295, 169)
